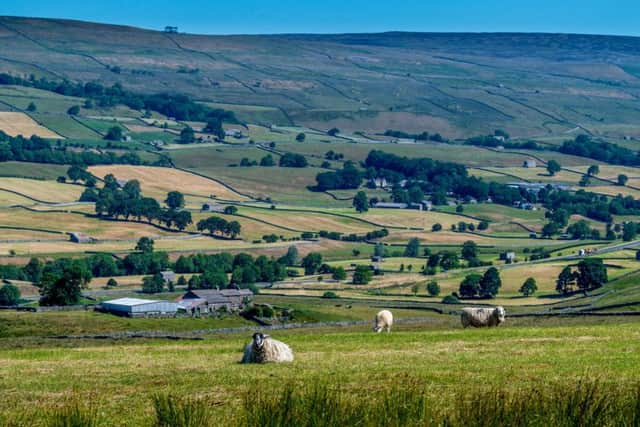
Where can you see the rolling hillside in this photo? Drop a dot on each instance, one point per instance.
(456, 84)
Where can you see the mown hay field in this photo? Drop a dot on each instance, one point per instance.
(157, 182)
(46, 191)
(120, 377)
(15, 124)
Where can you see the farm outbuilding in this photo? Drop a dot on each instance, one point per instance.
(76, 237)
(168, 276)
(229, 299)
(530, 163)
(135, 307)
(212, 207)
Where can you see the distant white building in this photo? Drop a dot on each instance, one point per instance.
(136, 307)
(530, 163)
(390, 205)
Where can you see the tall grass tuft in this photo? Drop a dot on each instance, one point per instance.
(74, 413)
(410, 403)
(171, 411)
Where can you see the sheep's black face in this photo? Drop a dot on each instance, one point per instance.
(258, 339)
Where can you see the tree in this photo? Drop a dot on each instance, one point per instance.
(565, 280)
(415, 288)
(413, 248)
(230, 210)
(584, 181)
(145, 245)
(416, 195)
(74, 110)
(112, 283)
(483, 225)
(339, 274)
(549, 229)
(300, 137)
(436, 227)
(293, 160)
(579, 230)
(490, 283)
(187, 136)
(360, 202)
(553, 167)
(333, 131)
(470, 285)
(622, 179)
(330, 295)
(469, 250)
(529, 287)
(629, 231)
(362, 275)
(153, 284)
(175, 200)
(593, 170)
(214, 126)
(292, 256)
(561, 217)
(311, 263)
(9, 295)
(114, 134)
(64, 285)
(448, 260)
(267, 161)
(592, 274)
(32, 108)
(433, 289)
(379, 249)
(33, 270)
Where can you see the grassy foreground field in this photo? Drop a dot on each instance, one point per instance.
(120, 378)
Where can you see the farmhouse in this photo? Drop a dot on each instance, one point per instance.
(168, 276)
(235, 133)
(135, 307)
(508, 256)
(378, 183)
(200, 301)
(529, 163)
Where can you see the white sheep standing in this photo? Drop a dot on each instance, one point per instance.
(264, 349)
(479, 317)
(383, 320)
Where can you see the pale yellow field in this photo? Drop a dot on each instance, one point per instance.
(69, 222)
(614, 190)
(48, 191)
(411, 218)
(612, 172)
(308, 221)
(539, 174)
(9, 199)
(157, 182)
(188, 245)
(14, 124)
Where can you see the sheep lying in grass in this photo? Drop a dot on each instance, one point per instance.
(383, 320)
(264, 349)
(479, 317)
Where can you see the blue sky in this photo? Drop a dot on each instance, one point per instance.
(334, 16)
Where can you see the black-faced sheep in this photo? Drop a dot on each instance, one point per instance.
(383, 320)
(479, 317)
(264, 349)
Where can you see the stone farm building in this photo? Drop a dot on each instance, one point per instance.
(205, 301)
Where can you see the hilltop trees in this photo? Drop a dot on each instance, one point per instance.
(622, 179)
